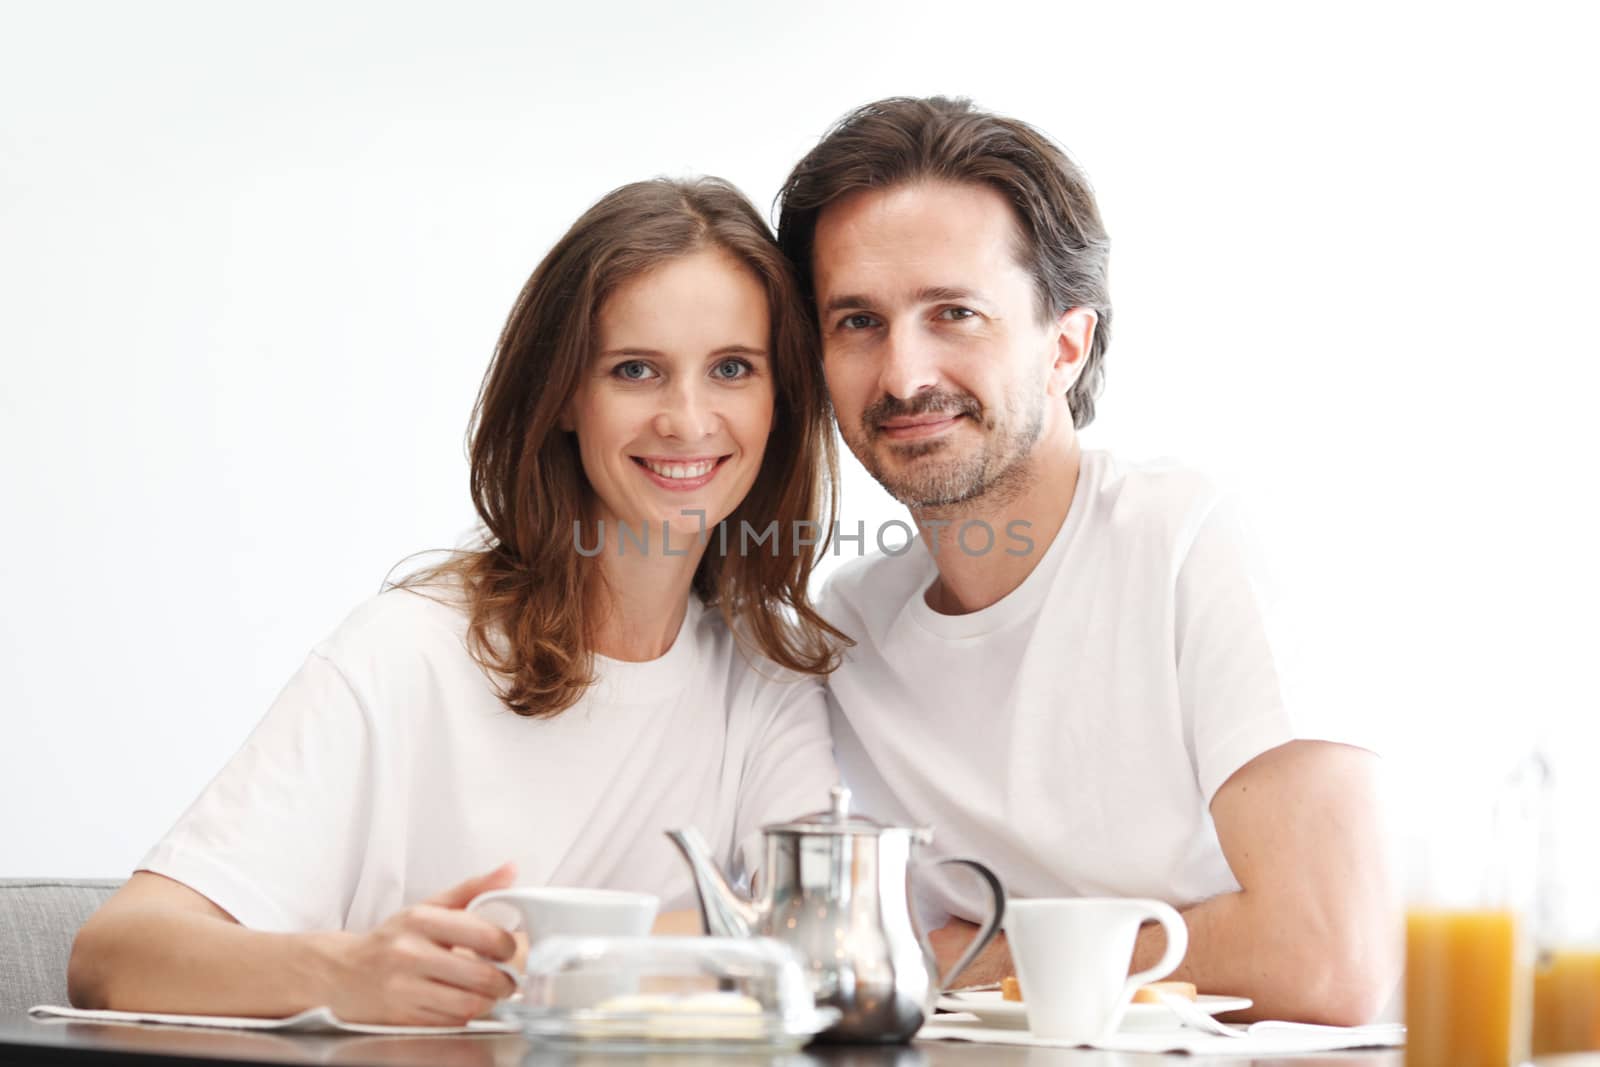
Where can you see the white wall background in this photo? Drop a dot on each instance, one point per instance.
(254, 257)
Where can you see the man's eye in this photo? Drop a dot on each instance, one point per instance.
(957, 313)
(633, 370)
(858, 321)
(732, 370)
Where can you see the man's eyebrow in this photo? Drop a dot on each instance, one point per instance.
(931, 294)
(943, 294)
(848, 300)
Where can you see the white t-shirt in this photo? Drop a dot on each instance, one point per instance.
(1072, 735)
(388, 770)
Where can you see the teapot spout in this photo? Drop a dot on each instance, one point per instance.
(724, 911)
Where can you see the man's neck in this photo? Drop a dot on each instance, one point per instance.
(971, 579)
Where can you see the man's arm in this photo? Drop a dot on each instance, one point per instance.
(1313, 934)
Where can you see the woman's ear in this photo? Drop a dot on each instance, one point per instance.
(1074, 335)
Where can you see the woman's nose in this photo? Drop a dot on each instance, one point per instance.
(687, 414)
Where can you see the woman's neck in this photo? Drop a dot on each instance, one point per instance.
(640, 603)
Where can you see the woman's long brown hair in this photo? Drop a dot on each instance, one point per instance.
(527, 589)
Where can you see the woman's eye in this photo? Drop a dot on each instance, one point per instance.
(633, 370)
(732, 369)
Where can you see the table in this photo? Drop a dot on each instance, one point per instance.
(27, 1040)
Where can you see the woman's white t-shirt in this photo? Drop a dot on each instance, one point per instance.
(388, 770)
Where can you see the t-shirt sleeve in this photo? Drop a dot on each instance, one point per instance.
(276, 838)
(788, 768)
(1237, 663)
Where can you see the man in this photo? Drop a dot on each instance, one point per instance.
(1070, 677)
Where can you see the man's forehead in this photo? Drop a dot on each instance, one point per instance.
(913, 237)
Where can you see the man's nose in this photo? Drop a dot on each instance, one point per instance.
(687, 413)
(908, 365)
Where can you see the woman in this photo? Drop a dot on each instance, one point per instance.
(611, 663)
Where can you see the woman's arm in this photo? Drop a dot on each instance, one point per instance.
(158, 945)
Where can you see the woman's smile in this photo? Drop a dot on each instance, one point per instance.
(681, 473)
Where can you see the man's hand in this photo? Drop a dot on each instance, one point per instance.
(686, 923)
(951, 940)
(409, 971)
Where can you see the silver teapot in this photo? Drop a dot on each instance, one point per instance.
(836, 888)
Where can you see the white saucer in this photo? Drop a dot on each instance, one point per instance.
(992, 1009)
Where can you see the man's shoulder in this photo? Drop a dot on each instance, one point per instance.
(1157, 495)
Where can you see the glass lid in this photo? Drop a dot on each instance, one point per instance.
(682, 994)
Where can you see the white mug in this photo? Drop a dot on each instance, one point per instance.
(543, 912)
(1072, 959)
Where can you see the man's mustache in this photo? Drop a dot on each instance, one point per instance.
(924, 403)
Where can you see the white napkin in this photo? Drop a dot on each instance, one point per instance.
(311, 1021)
(1261, 1039)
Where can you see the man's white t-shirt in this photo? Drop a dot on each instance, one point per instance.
(1072, 735)
(388, 770)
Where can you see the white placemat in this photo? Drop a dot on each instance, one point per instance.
(1260, 1039)
(312, 1021)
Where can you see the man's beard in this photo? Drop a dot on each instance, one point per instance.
(935, 474)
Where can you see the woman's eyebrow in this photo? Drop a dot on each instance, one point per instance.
(653, 353)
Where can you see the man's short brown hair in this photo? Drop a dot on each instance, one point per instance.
(905, 139)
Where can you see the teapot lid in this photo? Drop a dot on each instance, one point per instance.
(839, 820)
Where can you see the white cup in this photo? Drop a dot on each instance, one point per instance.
(559, 912)
(543, 912)
(1072, 959)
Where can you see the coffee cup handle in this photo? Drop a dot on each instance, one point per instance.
(990, 927)
(518, 979)
(1177, 944)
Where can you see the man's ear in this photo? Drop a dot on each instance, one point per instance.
(1074, 332)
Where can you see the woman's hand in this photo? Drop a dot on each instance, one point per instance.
(409, 970)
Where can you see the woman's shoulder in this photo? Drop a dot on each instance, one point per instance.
(752, 681)
(415, 618)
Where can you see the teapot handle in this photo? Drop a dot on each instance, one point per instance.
(990, 927)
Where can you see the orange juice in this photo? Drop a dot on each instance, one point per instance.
(1466, 999)
(1566, 1002)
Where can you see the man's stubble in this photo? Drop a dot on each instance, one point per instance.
(994, 472)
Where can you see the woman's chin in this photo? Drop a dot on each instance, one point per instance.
(666, 534)
(685, 534)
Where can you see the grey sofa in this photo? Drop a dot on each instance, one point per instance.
(38, 919)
